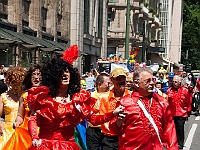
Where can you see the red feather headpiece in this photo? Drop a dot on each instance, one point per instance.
(70, 54)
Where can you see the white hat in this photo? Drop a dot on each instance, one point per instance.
(2, 77)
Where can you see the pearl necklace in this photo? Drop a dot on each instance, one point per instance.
(64, 99)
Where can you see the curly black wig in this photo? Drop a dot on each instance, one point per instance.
(52, 72)
(27, 84)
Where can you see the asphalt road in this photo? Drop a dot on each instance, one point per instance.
(192, 133)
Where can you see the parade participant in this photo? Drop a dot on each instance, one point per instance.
(21, 137)
(3, 88)
(91, 137)
(170, 79)
(159, 89)
(184, 77)
(59, 105)
(94, 135)
(162, 78)
(147, 123)
(9, 102)
(129, 81)
(2, 70)
(179, 102)
(90, 82)
(108, 103)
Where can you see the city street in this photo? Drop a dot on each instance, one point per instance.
(192, 133)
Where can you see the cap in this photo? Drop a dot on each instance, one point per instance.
(171, 75)
(117, 72)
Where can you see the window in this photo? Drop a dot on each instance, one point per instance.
(86, 16)
(44, 17)
(44, 13)
(100, 19)
(26, 6)
(164, 18)
(4, 2)
(44, 29)
(59, 17)
(109, 17)
(59, 33)
(25, 23)
(60, 6)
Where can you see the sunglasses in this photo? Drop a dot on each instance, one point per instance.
(147, 81)
(175, 82)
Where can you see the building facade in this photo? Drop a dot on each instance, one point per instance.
(32, 30)
(39, 29)
(155, 28)
(89, 30)
(171, 35)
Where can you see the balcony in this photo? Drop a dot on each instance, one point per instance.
(117, 34)
(113, 1)
(153, 43)
(136, 6)
(120, 5)
(144, 10)
(150, 16)
(155, 50)
(157, 22)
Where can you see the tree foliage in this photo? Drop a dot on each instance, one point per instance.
(191, 33)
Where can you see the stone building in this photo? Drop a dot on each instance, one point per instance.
(32, 31)
(89, 30)
(155, 28)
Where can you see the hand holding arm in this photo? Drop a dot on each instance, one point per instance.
(118, 110)
(32, 127)
(20, 115)
(100, 119)
(121, 118)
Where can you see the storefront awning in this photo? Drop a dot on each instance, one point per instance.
(30, 41)
(7, 37)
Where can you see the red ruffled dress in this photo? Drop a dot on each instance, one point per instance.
(57, 120)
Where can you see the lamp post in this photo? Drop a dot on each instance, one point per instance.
(143, 43)
(127, 29)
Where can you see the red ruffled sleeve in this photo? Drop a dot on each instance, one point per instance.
(75, 111)
(83, 102)
(41, 102)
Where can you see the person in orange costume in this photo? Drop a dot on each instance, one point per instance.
(21, 137)
(94, 135)
(60, 104)
(179, 101)
(107, 103)
(146, 123)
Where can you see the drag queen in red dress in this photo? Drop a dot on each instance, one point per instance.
(59, 105)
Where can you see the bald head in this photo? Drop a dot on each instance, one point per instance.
(178, 78)
(177, 81)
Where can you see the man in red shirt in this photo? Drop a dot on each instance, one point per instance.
(147, 123)
(179, 102)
